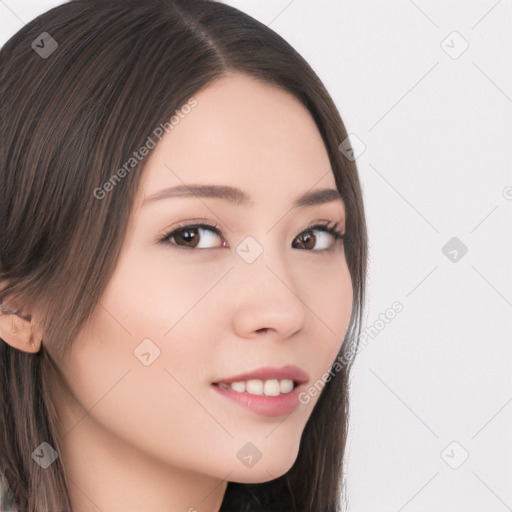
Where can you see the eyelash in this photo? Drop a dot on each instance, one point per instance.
(332, 228)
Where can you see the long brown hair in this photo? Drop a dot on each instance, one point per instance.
(70, 119)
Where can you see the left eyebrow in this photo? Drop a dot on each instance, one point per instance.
(241, 198)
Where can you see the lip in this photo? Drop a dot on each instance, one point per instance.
(291, 372)
(263, 405)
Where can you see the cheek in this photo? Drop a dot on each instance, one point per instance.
(141, 363)
(335, 297)
(152, 296)
(156, 407)
(150, 312)
(330, 302)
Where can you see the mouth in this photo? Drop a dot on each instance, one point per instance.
(263, 398)
(267, 381)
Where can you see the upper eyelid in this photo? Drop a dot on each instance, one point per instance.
(217, 227)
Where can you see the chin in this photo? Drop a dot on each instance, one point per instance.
(263, 471)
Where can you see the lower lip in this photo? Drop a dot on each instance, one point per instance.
(262, 404)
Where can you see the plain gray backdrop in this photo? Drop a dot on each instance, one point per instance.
(425, 91)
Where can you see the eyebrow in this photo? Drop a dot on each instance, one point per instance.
(239, 197)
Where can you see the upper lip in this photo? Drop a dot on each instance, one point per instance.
(291, 372)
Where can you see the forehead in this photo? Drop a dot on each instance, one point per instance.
(244, 133)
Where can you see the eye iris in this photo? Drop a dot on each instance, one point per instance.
(188, 238)
(306, 237)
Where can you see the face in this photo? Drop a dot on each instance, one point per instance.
(207, 288)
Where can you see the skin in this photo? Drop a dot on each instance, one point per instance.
(159, 437)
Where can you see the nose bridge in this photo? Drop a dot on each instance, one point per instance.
(267, 297)
(264, 264)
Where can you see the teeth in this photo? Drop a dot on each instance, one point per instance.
(238, 386)
(271, 387)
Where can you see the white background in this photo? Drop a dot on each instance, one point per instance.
(434, 385)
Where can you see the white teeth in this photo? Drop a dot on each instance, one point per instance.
(254, 387)
(271, 387)
(238, 386)
(286, 385)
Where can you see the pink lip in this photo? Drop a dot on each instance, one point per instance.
(269, 406)
(291, 372)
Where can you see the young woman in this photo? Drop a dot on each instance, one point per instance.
(183, 259)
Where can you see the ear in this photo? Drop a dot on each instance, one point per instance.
(19, 329)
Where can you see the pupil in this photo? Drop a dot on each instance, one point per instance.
(189, 235)
(306, 238)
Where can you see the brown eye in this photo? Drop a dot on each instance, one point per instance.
(308, 239)
(189, 236)
(194, 235)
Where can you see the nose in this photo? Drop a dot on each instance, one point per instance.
(266, 300)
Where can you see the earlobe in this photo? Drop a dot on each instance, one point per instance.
(19, 330)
